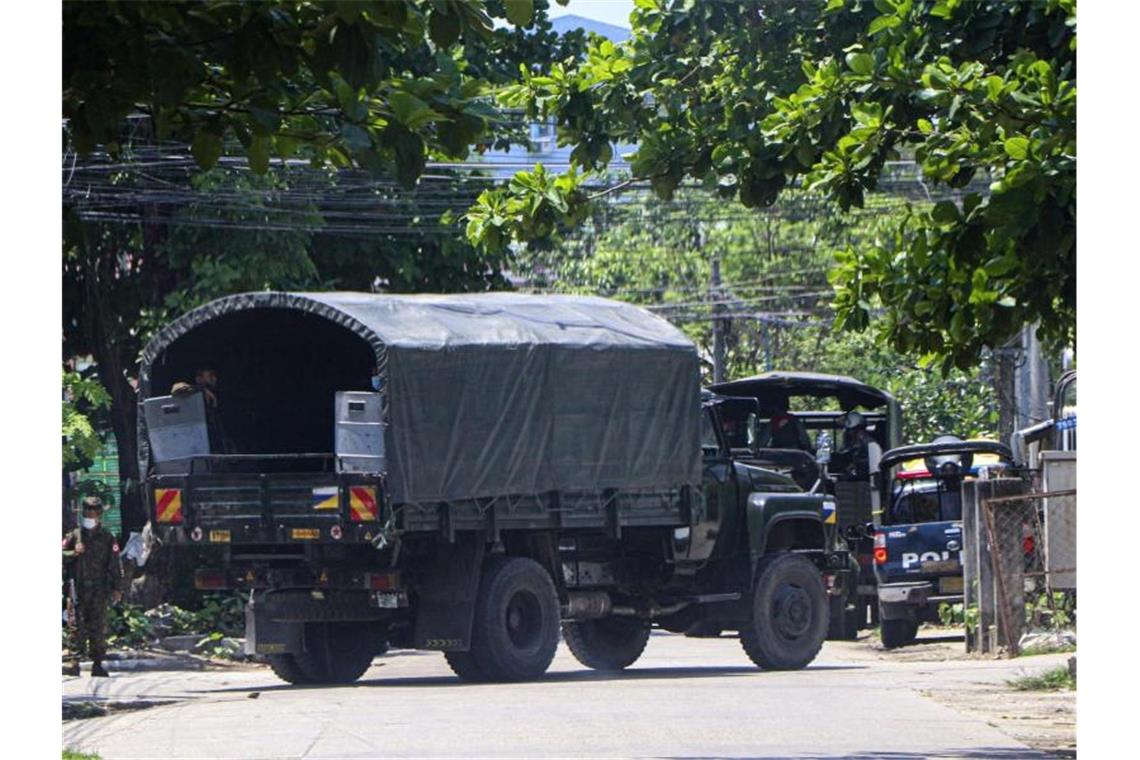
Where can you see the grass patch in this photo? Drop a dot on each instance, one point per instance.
(1035, 650)
(73, 755)
(1054, 679)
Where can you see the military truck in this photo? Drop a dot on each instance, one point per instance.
(470, 474)
(858, 421)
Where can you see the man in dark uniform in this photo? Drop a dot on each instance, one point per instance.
(92, 556)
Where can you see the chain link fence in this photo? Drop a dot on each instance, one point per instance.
(1031, 540)
(1020, 561)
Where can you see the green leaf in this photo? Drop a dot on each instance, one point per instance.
(355, 137)
(1017, 148)
(444, 27)
(861, 63)
(258, 153)
(883, 22)
(944, 212)
(410, 110)
(925, 127)
(206, 149)
(519, 12)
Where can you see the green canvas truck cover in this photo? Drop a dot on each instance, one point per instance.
(495, 394)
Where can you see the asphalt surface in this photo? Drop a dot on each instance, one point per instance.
(685, 698)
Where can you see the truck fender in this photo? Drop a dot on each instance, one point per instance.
(783, 521)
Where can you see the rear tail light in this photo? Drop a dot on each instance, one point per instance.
(209, 579)
(168, 505)
(880, 549)
(383, 581)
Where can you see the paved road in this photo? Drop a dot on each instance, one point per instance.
(686, 698)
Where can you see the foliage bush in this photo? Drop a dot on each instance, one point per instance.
(221, 615)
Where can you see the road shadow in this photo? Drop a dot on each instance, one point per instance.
(972, 753)
(572, 676)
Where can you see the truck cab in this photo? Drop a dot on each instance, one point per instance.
(918, 541)
(858, 422)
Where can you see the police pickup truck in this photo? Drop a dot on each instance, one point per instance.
(918, 540)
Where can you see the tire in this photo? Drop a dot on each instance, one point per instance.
(515, 631)
(336, 652)
(843, 621)
(608, 644)
(898, 633)
(285, 667)
(789, 614)
(463, 664)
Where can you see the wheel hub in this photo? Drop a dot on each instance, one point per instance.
(791, 612)
(524, 620)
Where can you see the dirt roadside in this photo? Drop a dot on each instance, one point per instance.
(1044, 720)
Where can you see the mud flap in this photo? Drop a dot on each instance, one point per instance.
(265, 636)
(446, 606)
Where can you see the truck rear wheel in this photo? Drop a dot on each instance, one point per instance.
(612, 643)
(285, 667)
(515, 632)
(898, 633)
(464, 665)
(789, 614)
(336, 652)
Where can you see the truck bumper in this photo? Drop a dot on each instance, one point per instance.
(901, 600)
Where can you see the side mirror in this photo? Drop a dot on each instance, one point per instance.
(753, 430)
(823, 448)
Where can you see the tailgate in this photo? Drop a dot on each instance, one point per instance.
(924, 551)
(266, 508)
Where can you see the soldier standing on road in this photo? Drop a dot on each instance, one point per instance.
(92, 555)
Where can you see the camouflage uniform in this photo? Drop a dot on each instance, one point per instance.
(97, 574)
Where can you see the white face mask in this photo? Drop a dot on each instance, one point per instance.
(90, 523)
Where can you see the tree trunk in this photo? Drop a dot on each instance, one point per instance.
(1005, 371)
(113, 376)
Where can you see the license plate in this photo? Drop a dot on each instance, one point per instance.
(219, 536)
(941, 566)
(950, 585)
(306, 534)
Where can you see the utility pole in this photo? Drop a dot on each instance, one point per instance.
(717, 322)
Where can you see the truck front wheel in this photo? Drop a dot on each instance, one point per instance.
(789, 614)
(515, 631)
(612, 643)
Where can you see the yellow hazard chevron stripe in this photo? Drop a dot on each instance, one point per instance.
(362, 503)
(168, 504)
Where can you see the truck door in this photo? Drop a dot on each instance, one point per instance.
(718, 488)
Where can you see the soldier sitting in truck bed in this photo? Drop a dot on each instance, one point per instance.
(206, 383)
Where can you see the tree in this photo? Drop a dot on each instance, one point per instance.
(747, 98)
(379, 85)
(774, 269)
